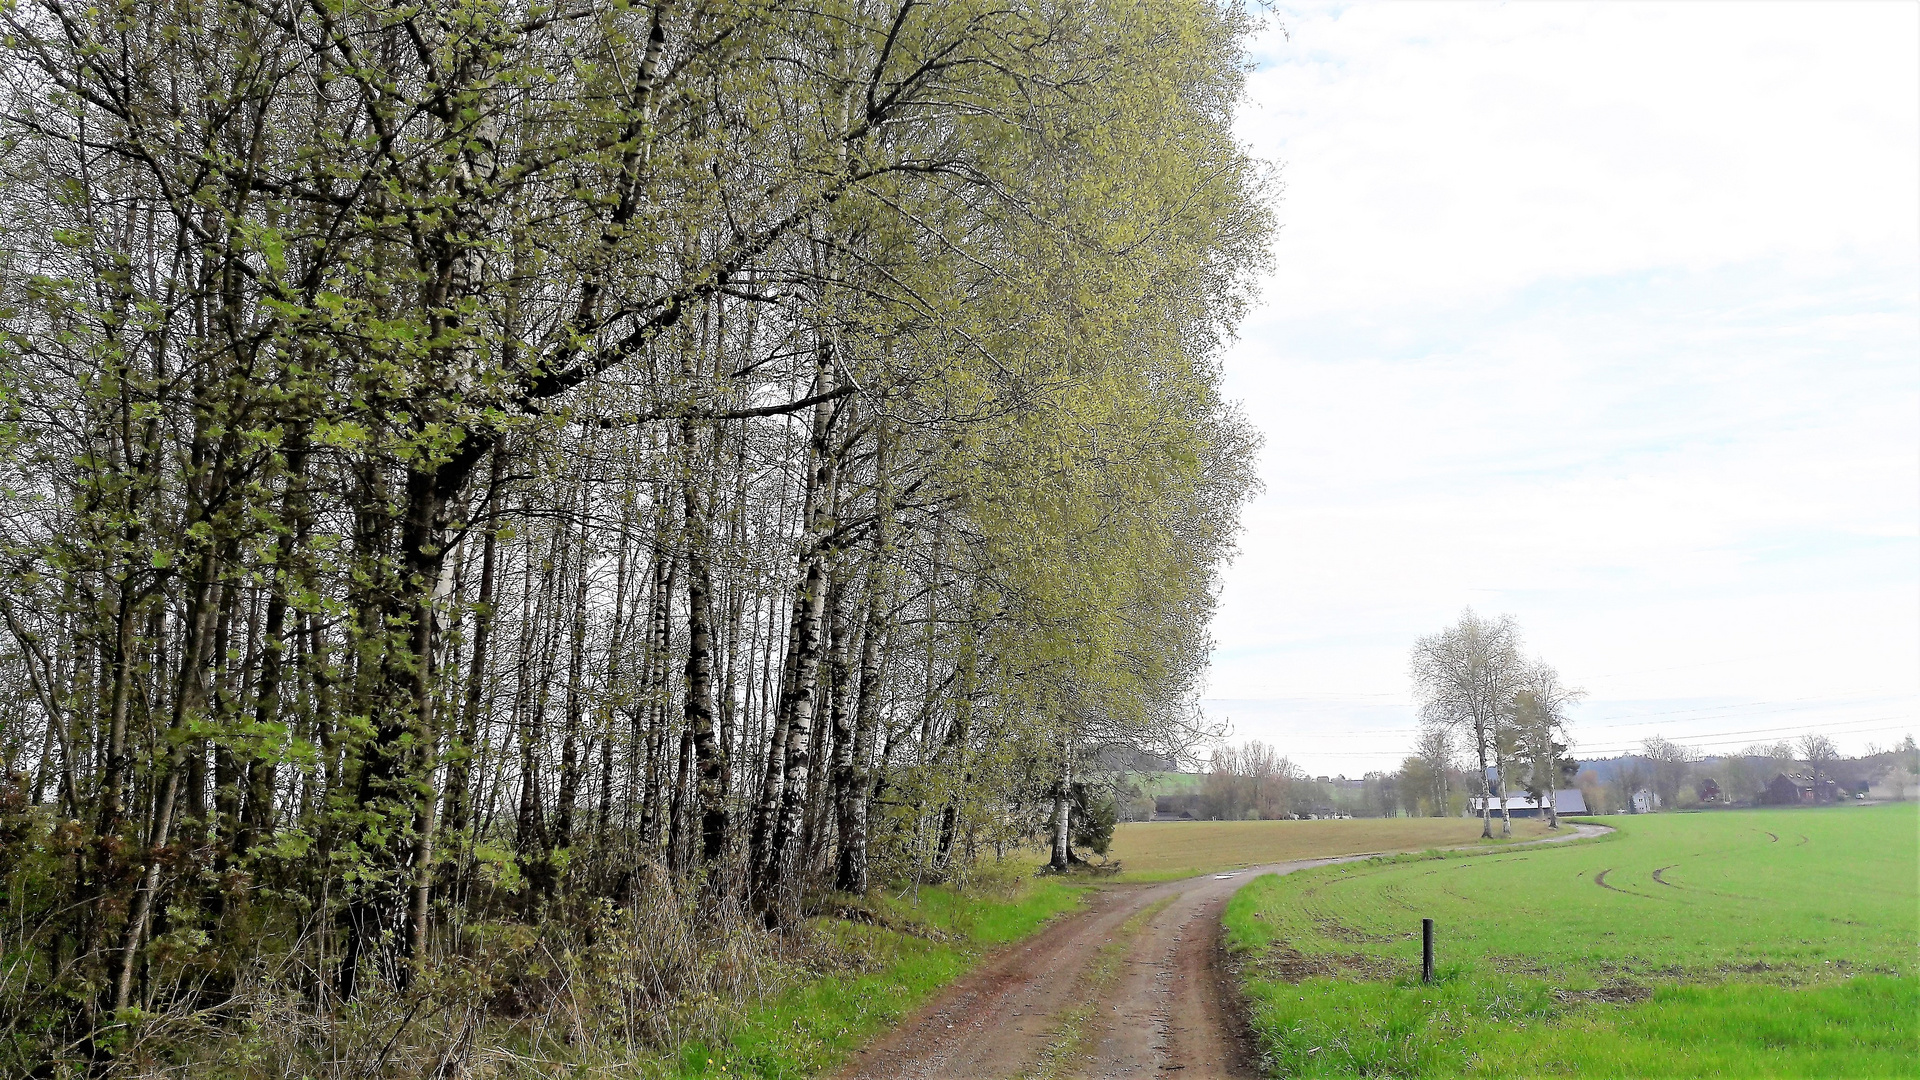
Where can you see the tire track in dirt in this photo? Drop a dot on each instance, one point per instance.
(1600, 879)
(1135, 984)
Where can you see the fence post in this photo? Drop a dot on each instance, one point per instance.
(1426, 950)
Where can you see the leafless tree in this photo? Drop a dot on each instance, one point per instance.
(1438, 757)
(1464, 678)
(1540, 718)
(1670, 765)
(1819, 753)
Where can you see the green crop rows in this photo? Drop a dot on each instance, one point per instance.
(1752, 943)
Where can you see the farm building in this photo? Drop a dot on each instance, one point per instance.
(1794, 789)
(1565, 801)
(1645, 802)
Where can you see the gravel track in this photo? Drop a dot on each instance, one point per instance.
(1134, 984)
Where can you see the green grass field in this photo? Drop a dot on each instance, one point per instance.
(1164, 850)
(1750, 943)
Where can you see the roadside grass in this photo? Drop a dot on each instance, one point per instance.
(1167, 850)
(1748, 943)
(921, 941)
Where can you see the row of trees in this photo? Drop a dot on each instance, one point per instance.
(1480, 696)
(1254, 781)
(474, 461)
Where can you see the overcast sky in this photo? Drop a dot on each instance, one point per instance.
(1603, 316)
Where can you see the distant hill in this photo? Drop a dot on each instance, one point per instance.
(1607, 768)
(1168, 783)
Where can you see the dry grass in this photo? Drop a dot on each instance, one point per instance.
(1163, 850)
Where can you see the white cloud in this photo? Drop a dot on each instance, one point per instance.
(1607, 316)
(1435, 153)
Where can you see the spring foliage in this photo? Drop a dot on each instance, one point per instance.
(486, 463)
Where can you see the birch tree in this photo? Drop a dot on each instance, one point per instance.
(1540, 715)
(491, 462)
(1464, 678)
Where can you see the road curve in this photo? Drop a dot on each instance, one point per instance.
(1133, 984)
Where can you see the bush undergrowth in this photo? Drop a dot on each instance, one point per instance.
(675, 984)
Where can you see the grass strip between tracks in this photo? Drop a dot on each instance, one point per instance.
(1751, 943)
(1066, 1044)
(932, 937)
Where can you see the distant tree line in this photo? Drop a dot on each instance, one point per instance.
(1813, 768)
(488, 462)
(1253, 781)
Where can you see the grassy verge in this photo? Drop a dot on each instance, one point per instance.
(1765, 943)
(928, 939)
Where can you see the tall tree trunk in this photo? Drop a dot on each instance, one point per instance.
(774, 772)
(853, 781)
(678, 824)
(660, 693)
(1500, 775)
(570, 764)
(189, 701)
(398, 771)
(1486, 785)
(797, 697)
(263, 778)
(460, 754)
(616, 642)
(709, 751)
(1063, 814)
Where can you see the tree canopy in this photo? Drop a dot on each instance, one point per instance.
(466, 461)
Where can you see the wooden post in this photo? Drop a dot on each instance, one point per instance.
(1426, 950)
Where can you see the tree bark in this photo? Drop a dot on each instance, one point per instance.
(1062, 816)
(1486, 786)
(854, 785)
(797, 697)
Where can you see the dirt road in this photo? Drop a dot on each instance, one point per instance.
(1135, 984)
